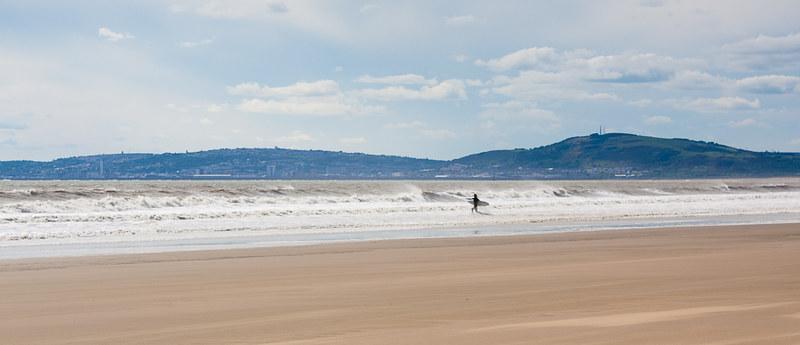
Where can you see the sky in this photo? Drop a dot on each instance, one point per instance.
(428, 79)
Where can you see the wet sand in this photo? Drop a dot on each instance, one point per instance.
(714, 285)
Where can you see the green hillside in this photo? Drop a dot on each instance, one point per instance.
(655, 157)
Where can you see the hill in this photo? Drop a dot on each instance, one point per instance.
(629, 155)
(615, 155)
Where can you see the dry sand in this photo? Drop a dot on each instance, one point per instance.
(723, 285)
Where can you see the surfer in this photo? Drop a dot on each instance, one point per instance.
(475, 202)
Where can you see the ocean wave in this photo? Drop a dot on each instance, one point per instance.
(82, 211)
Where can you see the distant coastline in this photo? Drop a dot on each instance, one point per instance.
(607, 156)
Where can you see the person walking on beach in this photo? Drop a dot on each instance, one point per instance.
(475, 202)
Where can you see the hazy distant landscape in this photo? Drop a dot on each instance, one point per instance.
(615, 155)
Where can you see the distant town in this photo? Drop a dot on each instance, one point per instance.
(607, 156)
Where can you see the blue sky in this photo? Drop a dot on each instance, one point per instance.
(436, 79)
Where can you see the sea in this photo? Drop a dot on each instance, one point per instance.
(76, 218)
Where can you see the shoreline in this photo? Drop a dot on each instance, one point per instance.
(25, 251)
(730, 284)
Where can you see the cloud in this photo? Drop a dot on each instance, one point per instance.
(320, 106)
(295, 137)
(770, 84)
(438, 134)
(695, 80)
(585, 65)
(216, 108)
(368, 8)
(766, 52)
(405, 125)
(744, 123)
(544, 73)
(658, 120)
(322, 97)
(448, 89)
(535, 85)
(461, 58)
(108, 35)
(278, 7)
(8, 123)
(630, 68)
(529, 57)
(190, 44)
(315, 88)
(644, 102)
(321, 18)
(764, 44)
(651, 3)
(353, 140)
(795, 142)
(240, 9)
(423, 129)
(720, 104)
(398, 79)
(517, 115)
(517, 111)
(459, 20)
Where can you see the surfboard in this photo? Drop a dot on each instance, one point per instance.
(480, 202)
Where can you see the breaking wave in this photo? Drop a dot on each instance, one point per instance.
(78, 211)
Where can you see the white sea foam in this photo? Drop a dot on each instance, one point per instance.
(35, 213)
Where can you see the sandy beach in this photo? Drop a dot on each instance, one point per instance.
(710, 285)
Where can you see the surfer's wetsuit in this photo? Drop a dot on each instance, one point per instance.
(475, 201)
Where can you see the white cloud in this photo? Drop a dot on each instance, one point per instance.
(216, 108)
(353, 140)
(535, 85)
(322, 18)
(473, 82)
(112, 36)
(764, 44)
(193, 44)
(516, 115)
(423, 129)
(743, 123)
(368, 8)
(585, 65)
(795, 142)
(696, 80)
(239, 9)
(448, 89)
(631, 68)
(774, 84)
(651, 3)
(575, 75)
(766, 52)
(206, 121)
(178, 108)
(315, 88)
(321, 106)
(459, 20)
(517, 111)
(720, 104)
(398, 79)
(644, 102)
(461, 58)
(405, 125)
(438, 134)
(529, 57)
(295, 137)
(658, 120)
